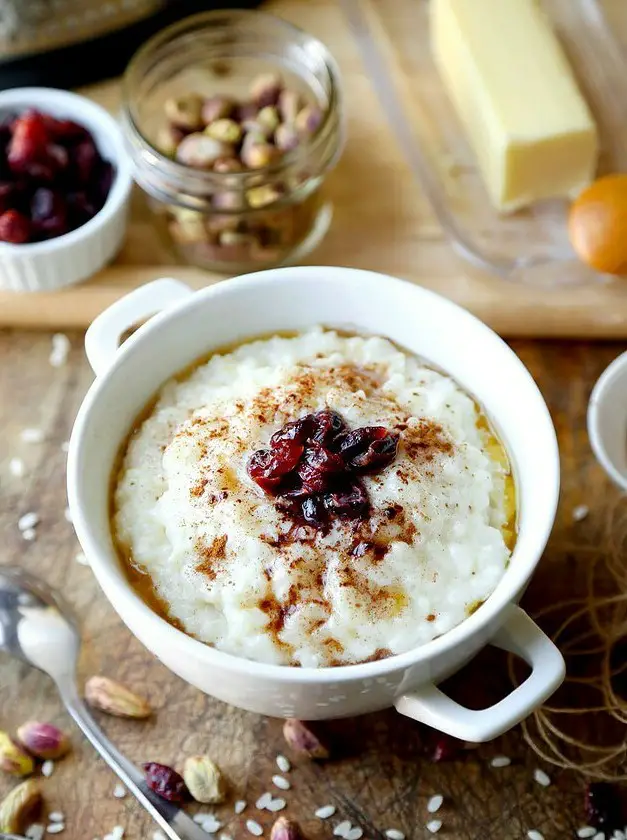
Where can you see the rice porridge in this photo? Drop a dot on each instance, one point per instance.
(314, 500)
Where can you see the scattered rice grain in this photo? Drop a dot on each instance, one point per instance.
(254, 828)
(263, 801)
(281, 782)
(65, 446)
(434, 826)
(60, 350)
(586, 831)
(32, 435)
(16, 467)
(341, 828)
(119, 791)
(68, 515)
(435, 803)
(211, 825)
(28, 521)
(35, 831)
(394, 834)
(325, 812)
(541, 777)
(56, 816)
(55, 828)
(277, 804)
(158, 835)
(29, 534)
(532, 834)
(117, 833)
(81, 559)
(283, 764)
(580, 512)
(500, 761)
(355, 833)
(239, 806)
(47, 768)
(599, 836)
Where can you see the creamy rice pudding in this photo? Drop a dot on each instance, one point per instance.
(314, 500)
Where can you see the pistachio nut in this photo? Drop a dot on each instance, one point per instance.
(20, 807)
(232, 238)
(113, 698)
(289, 105)
(200, 151)
(256, 155)
(268, 119)
(43, 740)
(265, 89)
(254, 129)
(228, 200)
(168, 139)
(204, 780)
(262, 196)
(245, 111)
(284, 829)
(14, 759)
(185, 111)
(286, 137)
(225, 130)
(308, 119)
(227, 165)
(302, 740)
(216, 108)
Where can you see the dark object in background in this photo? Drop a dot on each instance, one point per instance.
(56, 43)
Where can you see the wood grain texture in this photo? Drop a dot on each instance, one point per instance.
(381, 776)
(382, 220)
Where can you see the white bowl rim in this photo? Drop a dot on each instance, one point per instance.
(163, 632)
(38, 97)
(612, 372)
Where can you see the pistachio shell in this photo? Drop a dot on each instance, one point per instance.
(20, 806)
(43, 740)
(115, 699)
(13, 759)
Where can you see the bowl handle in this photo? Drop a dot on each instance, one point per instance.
(103, 338)
(520, 635)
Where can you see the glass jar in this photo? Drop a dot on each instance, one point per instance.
(226, 220)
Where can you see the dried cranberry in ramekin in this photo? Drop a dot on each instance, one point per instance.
(65, 182)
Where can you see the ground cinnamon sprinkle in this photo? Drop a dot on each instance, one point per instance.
(425, 440)
(212, 555)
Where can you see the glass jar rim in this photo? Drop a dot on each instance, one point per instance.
(168, 36)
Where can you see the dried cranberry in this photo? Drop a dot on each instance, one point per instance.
(318, 467)
(65, 131)
(313, 511)
(103, 183)
(48, 211)
(7, 195)
(327, 424)
(299, 430)
(29, 142)
(14, 227)
(165, 782)
(370, 447)
(349, 501)
(446, 747)
(268, 466)
(80, 209)
(84, 158)
(603, 807)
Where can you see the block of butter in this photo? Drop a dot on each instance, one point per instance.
(510, 81)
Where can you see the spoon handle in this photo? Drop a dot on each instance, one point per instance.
(174, 822)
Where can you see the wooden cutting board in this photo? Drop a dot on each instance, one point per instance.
(382, 222)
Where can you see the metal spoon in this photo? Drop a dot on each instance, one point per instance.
(37, 627)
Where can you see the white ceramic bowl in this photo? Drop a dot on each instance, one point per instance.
(191, 324)
(75, 256)
(607, 420)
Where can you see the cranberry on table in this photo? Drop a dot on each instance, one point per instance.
(53, 179)
(165, 782)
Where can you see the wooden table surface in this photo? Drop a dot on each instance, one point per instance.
(381, 776)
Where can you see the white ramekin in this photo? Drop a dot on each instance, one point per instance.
(607, 421)
(191, 324)
(75, 256)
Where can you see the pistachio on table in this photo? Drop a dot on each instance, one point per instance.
(284, 829)
(13, 758)
(115, 699)
(43, 740)
(302, 740)
(165, 782)
(204, 780)
(20, 807)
